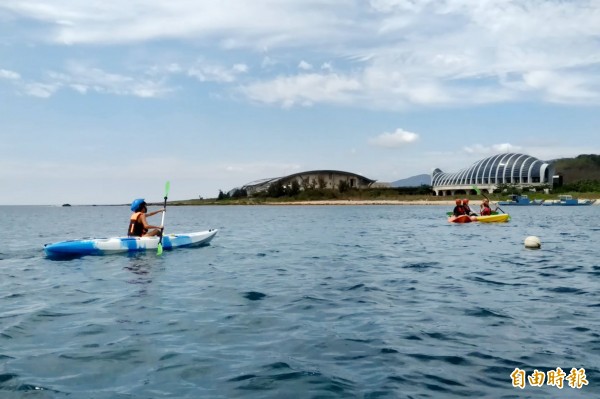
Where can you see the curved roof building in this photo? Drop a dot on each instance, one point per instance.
(488, 173)
(312, 179)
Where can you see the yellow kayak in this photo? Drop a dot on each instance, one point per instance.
(503, 217)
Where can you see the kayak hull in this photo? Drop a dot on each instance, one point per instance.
(461, 219)
(106, 246)
(500, 218)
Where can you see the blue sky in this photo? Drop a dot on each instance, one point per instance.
(103, 101)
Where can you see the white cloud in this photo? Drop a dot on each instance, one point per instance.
(40, 90)
(492, 149)
(305, 66)
(303, 90)
(216, 73)
(84, 79)
(563, 87)
(9, 75)
(397, 139)
(396, 53)
(326, 66)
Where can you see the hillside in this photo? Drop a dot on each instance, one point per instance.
(414, 181)
(582, 167)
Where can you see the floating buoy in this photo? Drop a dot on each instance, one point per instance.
(533, 242)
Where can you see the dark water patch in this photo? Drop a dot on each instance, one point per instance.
(549, 275)
(483, 312)
(91, 300)
(573, 269)
(443, 381)
(421, 266)
(440, 336)
(311, 299)
(242, 377)
(48, 314)
(7, 377)
(398, 379)
(388, 350)
(254, 295)
(379, 394)
(493, 282)
(566, 290)
(580, 329)
(168, 356)
(287, 383)
(13, 296)
(485, 356)
(454, 360)
(355, 287)
(12, 382)
(170, 367)
(90, 357)
(92, 329)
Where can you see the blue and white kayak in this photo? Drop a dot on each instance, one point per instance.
(106, 246)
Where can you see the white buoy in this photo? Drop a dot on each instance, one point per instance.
(533, 242)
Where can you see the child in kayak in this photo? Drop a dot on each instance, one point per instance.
(459, 209)
(138, 225)
(468, 210)
(485, 208)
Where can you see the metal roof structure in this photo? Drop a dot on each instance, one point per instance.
(488, 173)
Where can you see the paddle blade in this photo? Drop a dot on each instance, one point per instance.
(167, 187)
(159, 249)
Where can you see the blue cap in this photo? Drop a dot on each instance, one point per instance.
(136, 204)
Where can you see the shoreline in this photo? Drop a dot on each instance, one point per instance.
(365, 202)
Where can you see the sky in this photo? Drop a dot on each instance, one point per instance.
(103, 101)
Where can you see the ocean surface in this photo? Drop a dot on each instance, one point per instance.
(302, 302)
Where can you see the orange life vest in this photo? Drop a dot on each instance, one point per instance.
(136, 228)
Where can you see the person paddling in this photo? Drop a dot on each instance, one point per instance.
(485, 208)
(459, 209)
(467, 208)
(138, 225)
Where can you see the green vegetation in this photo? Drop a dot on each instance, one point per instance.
(293, 193)
(581, 168)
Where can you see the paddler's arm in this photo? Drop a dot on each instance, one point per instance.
(156, 212)
(146, 225)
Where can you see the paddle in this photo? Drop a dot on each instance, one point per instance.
(159, 249)
(480, 193)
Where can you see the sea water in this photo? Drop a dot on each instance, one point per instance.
(303, 302)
